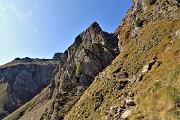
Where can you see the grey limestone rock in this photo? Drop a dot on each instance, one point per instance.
(91, 52)
(21, 82)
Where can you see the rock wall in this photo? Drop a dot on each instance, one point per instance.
(91, 52)
(21, 82)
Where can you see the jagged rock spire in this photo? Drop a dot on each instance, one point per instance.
(94, 27)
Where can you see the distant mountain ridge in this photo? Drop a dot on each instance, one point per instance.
(91, 52)
(133, 73)
(22, 79)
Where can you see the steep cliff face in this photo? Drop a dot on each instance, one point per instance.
(91, 52)
(21, 80)
(143, 81)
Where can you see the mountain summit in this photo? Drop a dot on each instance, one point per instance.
(133, 73)
(95, 27)
(91, 52)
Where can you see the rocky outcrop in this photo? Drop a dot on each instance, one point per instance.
(91, 52)
(144, 11)
(92, 82)
(134, 85)
(58, 56)
(21, 80)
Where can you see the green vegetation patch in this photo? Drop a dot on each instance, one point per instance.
(150, 2)
(77, 72)
(138, 22)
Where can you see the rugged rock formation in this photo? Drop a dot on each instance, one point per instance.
(58, 56)
(21, 80)
(91, 52)
(142, 82)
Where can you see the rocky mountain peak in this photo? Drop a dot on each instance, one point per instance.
(93, 79)
(95, 27)
(91, 52)
(91, 32)
(148, 33)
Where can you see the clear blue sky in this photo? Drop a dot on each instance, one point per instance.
(40, 28)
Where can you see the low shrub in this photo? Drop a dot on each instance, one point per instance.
(150, 2)
(89, 46)
(139, 22)
(77, 72)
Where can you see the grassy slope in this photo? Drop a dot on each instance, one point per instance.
(157, 94)
(3, 95)
(37, 105)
